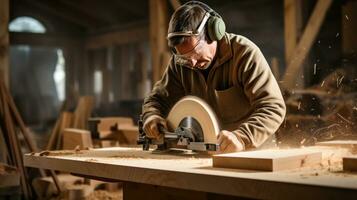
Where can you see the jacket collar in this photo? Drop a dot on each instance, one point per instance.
(224, 51)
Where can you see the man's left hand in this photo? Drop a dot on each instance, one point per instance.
(229, 142)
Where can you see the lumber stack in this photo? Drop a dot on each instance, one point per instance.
(66, 119)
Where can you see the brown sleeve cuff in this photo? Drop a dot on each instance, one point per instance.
(244, 139)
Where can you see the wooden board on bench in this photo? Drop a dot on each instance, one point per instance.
(268, 160)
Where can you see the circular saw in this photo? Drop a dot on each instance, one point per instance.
(192, 125)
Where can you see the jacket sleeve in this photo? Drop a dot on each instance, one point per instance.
(165, 94)
(264, 95)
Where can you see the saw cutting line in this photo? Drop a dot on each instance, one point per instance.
(197, 108)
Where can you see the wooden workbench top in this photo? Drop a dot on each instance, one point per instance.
(196, 173)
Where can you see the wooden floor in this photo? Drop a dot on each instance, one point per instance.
(195, 173)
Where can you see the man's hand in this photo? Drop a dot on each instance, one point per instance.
(151, 126)
(229, 142)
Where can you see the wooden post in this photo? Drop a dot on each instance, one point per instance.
(158, 32)
(292, 30)
(4, 41)
(300, 52)
(4, 53)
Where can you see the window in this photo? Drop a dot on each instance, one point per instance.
(26, 24)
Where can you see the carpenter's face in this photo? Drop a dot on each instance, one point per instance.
(195, 52)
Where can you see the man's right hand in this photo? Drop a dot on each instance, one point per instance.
(151, 126)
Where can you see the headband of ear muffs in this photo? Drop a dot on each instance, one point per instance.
(216, 27)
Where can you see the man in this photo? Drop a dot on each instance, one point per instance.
(228, 71)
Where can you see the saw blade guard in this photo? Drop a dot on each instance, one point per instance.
(197, 109)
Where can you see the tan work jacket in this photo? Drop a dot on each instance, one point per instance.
(240, 88)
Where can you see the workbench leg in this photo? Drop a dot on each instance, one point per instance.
(133, 191)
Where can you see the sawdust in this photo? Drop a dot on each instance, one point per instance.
(60, 153)
(331, 163)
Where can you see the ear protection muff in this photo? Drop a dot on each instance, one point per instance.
(216, 27)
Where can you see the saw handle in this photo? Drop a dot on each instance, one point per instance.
(167, 134)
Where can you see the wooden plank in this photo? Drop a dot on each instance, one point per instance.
(195, 172)
(44, 39)
(76, 137)
(117, 38)
(83, 112)
(305, 43)
(4, 41)
(268, 160)
(349, 163)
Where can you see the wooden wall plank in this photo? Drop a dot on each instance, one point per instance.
(304, 45)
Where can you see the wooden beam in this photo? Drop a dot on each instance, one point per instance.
(4, 41)
(304, 45)
(65, 12)
(117, 37)
(158, 32)
(39, 39)
(292, 21)
(175, 4)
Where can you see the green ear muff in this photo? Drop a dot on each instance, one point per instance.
(216, 28)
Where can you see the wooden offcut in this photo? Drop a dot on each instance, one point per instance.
(349, 163)
(76, 137)
(268, 160)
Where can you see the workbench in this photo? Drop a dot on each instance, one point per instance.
(175, 176)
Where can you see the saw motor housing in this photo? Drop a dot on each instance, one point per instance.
(187, 135)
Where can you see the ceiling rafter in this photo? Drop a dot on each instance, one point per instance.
(65, 12)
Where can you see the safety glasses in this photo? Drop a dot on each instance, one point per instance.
(194, 54)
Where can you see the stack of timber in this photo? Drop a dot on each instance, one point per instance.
(77, 120)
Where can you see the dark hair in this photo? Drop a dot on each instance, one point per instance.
(186, 18)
